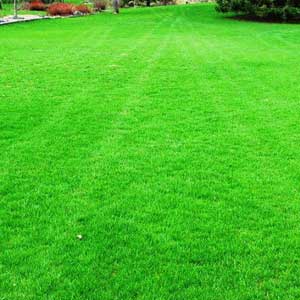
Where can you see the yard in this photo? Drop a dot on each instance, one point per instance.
(150, 155)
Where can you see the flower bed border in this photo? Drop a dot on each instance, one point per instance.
(8, 20)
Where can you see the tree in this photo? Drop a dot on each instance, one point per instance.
(1, 5)
(285, 10)
(15, 9)
(116, 6)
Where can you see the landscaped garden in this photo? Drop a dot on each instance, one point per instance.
(20, 10)
(150, 155)
(61, 9)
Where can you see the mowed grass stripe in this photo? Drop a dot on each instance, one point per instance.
(176, 161)
(93, 65)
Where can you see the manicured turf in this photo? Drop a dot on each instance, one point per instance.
(168, 138)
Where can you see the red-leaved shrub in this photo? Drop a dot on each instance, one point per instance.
(37, 5)
(61, 9)
(83, 9)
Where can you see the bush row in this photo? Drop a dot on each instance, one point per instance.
(64, 9)
(285, 10)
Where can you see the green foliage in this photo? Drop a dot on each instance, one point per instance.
(286, 10)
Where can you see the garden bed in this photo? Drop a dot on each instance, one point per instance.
(27, 18)
(37, 10)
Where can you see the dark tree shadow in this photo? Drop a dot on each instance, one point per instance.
(248, 18)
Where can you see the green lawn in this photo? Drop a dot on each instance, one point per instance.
(168, 138)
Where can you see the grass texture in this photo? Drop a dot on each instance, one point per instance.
(168, 138)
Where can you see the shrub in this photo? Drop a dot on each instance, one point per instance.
(37, 5)
(83, 9)
(61, 9)
(24, 6)
(284, 10)
(99, 5)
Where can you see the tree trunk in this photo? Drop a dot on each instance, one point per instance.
(1, 6)
(116, 6)
(148, 3)
(15, 9)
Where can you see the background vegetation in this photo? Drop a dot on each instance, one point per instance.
(285, 10)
